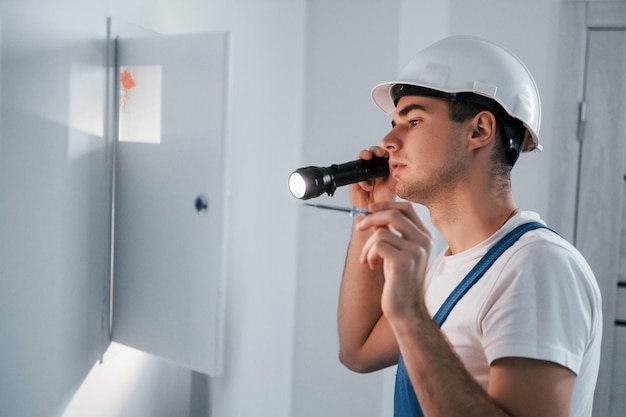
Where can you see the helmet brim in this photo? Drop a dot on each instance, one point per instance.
(382, 96)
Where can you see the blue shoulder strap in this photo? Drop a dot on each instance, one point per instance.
(405, 401)
(481, 267)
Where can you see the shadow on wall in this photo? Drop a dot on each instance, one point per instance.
(53, 265)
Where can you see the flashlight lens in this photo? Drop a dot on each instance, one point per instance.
(297, 185)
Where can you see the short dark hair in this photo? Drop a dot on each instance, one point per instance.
(461, 111)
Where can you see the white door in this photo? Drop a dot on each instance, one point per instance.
(169, 211)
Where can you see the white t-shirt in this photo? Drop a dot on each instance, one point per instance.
(538, 300)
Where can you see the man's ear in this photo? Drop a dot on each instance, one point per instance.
(483, 127)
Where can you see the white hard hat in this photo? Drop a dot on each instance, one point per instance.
(459, 65)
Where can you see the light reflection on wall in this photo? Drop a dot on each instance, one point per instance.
(86, 111)
(140, 104)
(124, 384)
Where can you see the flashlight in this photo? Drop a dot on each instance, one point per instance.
(310, 182)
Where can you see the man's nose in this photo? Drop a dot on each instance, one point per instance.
(391, 142)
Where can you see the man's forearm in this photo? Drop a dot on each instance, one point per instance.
(360, 314)
(441, 382)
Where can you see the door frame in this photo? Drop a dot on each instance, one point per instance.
(578, 19)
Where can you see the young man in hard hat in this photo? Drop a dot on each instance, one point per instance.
(521, 335)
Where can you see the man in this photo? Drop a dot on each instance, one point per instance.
(525, 339)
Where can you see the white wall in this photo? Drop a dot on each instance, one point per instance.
(348, 50)
(53, 215)
(301, 75)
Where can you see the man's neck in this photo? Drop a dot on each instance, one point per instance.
(471, 219)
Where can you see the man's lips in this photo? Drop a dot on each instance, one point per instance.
(394, 166)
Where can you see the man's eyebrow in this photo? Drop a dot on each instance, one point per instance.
(406, 110)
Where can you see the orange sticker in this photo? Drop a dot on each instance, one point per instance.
(126, 80)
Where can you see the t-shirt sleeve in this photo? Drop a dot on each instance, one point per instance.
(541, 306)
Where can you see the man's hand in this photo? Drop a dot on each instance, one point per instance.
(378, 189)
(401, 243)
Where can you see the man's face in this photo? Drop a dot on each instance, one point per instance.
(427, 152)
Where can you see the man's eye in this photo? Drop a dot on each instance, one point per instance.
(414, 122)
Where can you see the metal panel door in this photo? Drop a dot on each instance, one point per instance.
(168, 285)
